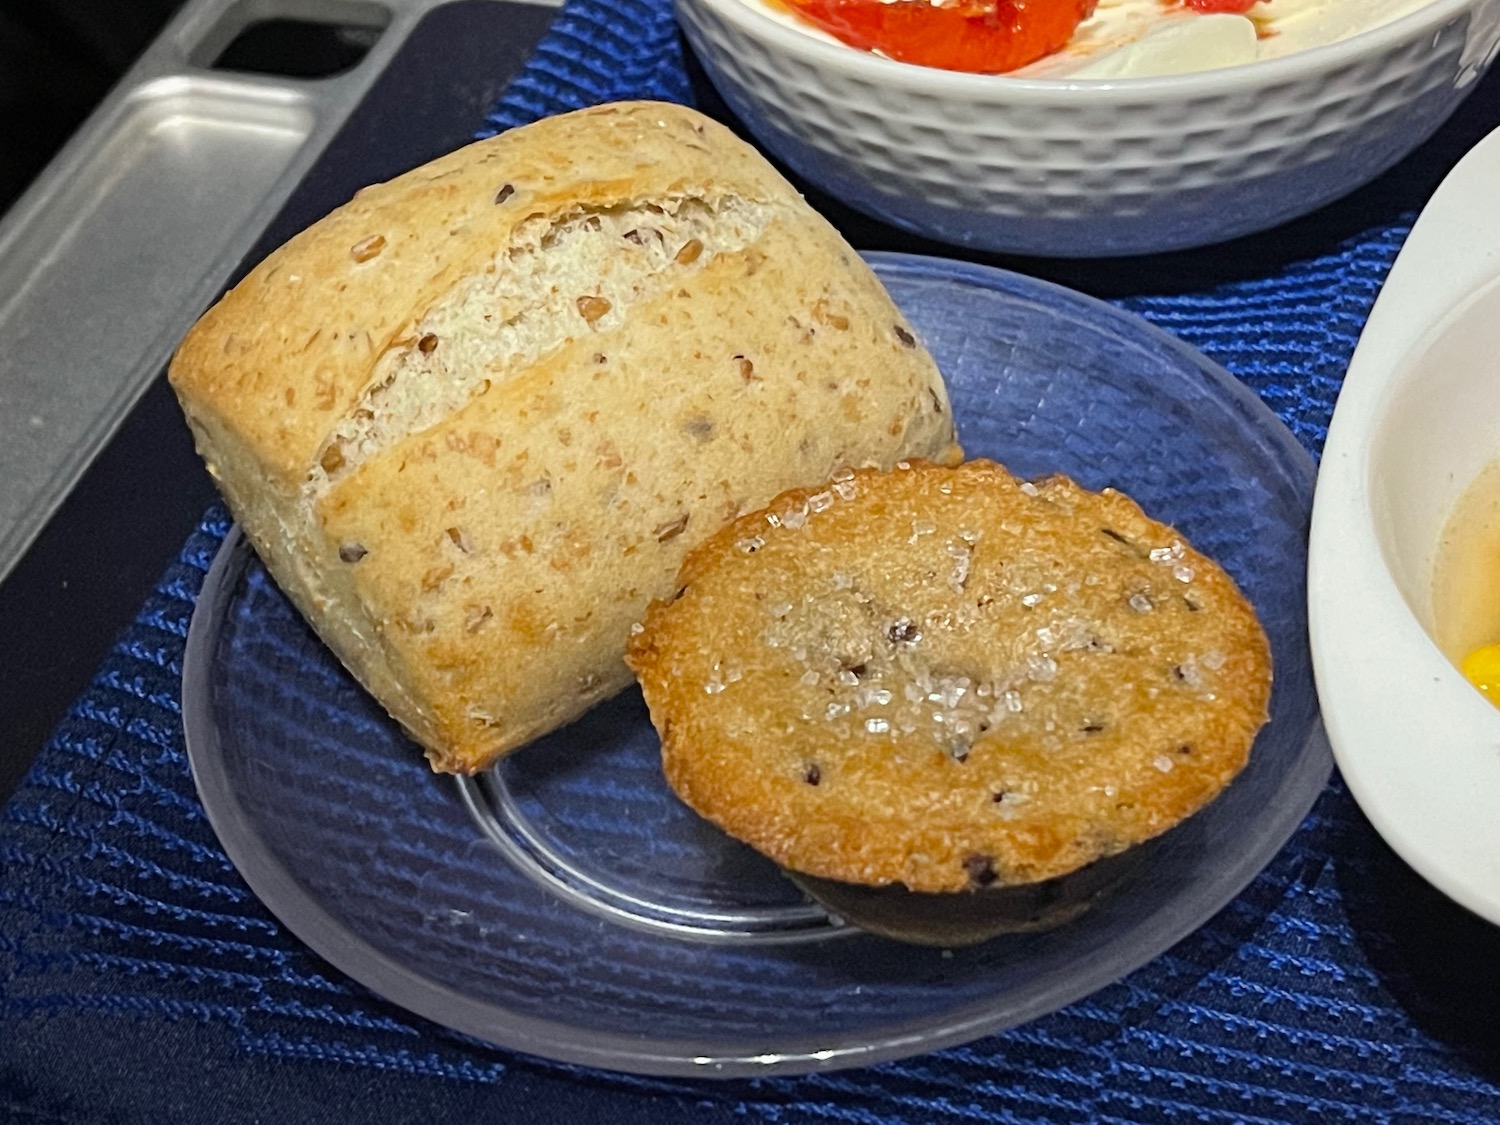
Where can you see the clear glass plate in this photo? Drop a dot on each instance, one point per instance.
(565, 904)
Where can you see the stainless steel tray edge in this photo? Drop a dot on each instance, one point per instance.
(137, 224)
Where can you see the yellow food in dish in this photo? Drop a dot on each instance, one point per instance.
(1482, 669)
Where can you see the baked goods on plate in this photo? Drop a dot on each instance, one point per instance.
(567, 904)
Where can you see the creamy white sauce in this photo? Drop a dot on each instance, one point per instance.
(1145, 38)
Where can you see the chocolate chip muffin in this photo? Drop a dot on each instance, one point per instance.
(950, 679)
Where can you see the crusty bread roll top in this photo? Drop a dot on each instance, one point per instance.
(473, 419)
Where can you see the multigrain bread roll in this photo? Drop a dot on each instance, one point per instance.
(950, 679)
(473, 419)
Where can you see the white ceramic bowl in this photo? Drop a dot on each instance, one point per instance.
(1418, 418)
(1086, 168)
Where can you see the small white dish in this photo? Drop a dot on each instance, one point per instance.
(1416, 422)
(1090, 168)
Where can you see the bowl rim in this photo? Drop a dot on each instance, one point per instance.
(1003, 88)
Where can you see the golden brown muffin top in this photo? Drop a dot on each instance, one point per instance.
(950, 678)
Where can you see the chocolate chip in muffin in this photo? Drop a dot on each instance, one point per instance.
(980, 869)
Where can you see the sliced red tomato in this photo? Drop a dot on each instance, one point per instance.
(981, 36)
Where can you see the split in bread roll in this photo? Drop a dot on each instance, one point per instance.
(473, 419)
(950, 680)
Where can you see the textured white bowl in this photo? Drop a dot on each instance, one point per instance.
(1416, 421)
(1087, 168)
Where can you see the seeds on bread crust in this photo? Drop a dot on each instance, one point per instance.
(473, 457)
(950, 679)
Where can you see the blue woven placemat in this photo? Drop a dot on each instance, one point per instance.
(141, 980)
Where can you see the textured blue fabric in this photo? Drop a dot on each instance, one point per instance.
(140, 980)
